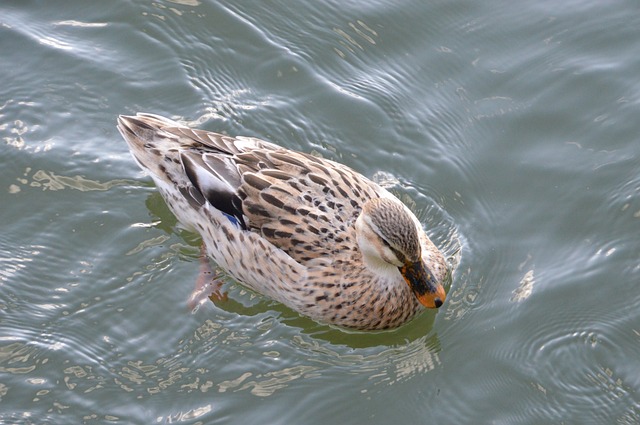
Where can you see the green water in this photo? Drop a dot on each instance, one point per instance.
(511, 128)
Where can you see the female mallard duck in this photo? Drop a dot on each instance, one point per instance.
(305, 231)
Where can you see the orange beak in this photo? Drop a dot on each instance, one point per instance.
(423, 284)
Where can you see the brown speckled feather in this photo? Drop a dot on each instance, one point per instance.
(285, 223)
(306, 206)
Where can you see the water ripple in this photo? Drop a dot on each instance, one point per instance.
(509, 129)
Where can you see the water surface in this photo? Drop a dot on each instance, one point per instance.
(510, 128)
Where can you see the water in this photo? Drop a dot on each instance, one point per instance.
(510, 128)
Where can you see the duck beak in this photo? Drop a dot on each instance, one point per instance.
(427, 290)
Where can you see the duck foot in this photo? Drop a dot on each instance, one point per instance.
(208, 284)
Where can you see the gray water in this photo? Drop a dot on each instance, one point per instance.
(511, 128)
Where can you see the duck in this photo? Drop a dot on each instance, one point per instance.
(307, 232)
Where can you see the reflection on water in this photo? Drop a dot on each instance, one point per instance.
(524, 290)
(264, 385)
(464, 295)
(387, 365)
(353, 36)
(510, 129)
(146, 378)
(48, 180)
(18, 358)
(17, 129)
(53, 387)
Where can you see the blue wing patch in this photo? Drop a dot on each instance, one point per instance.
(232, 219)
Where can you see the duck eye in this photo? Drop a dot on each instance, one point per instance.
(399, 255)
